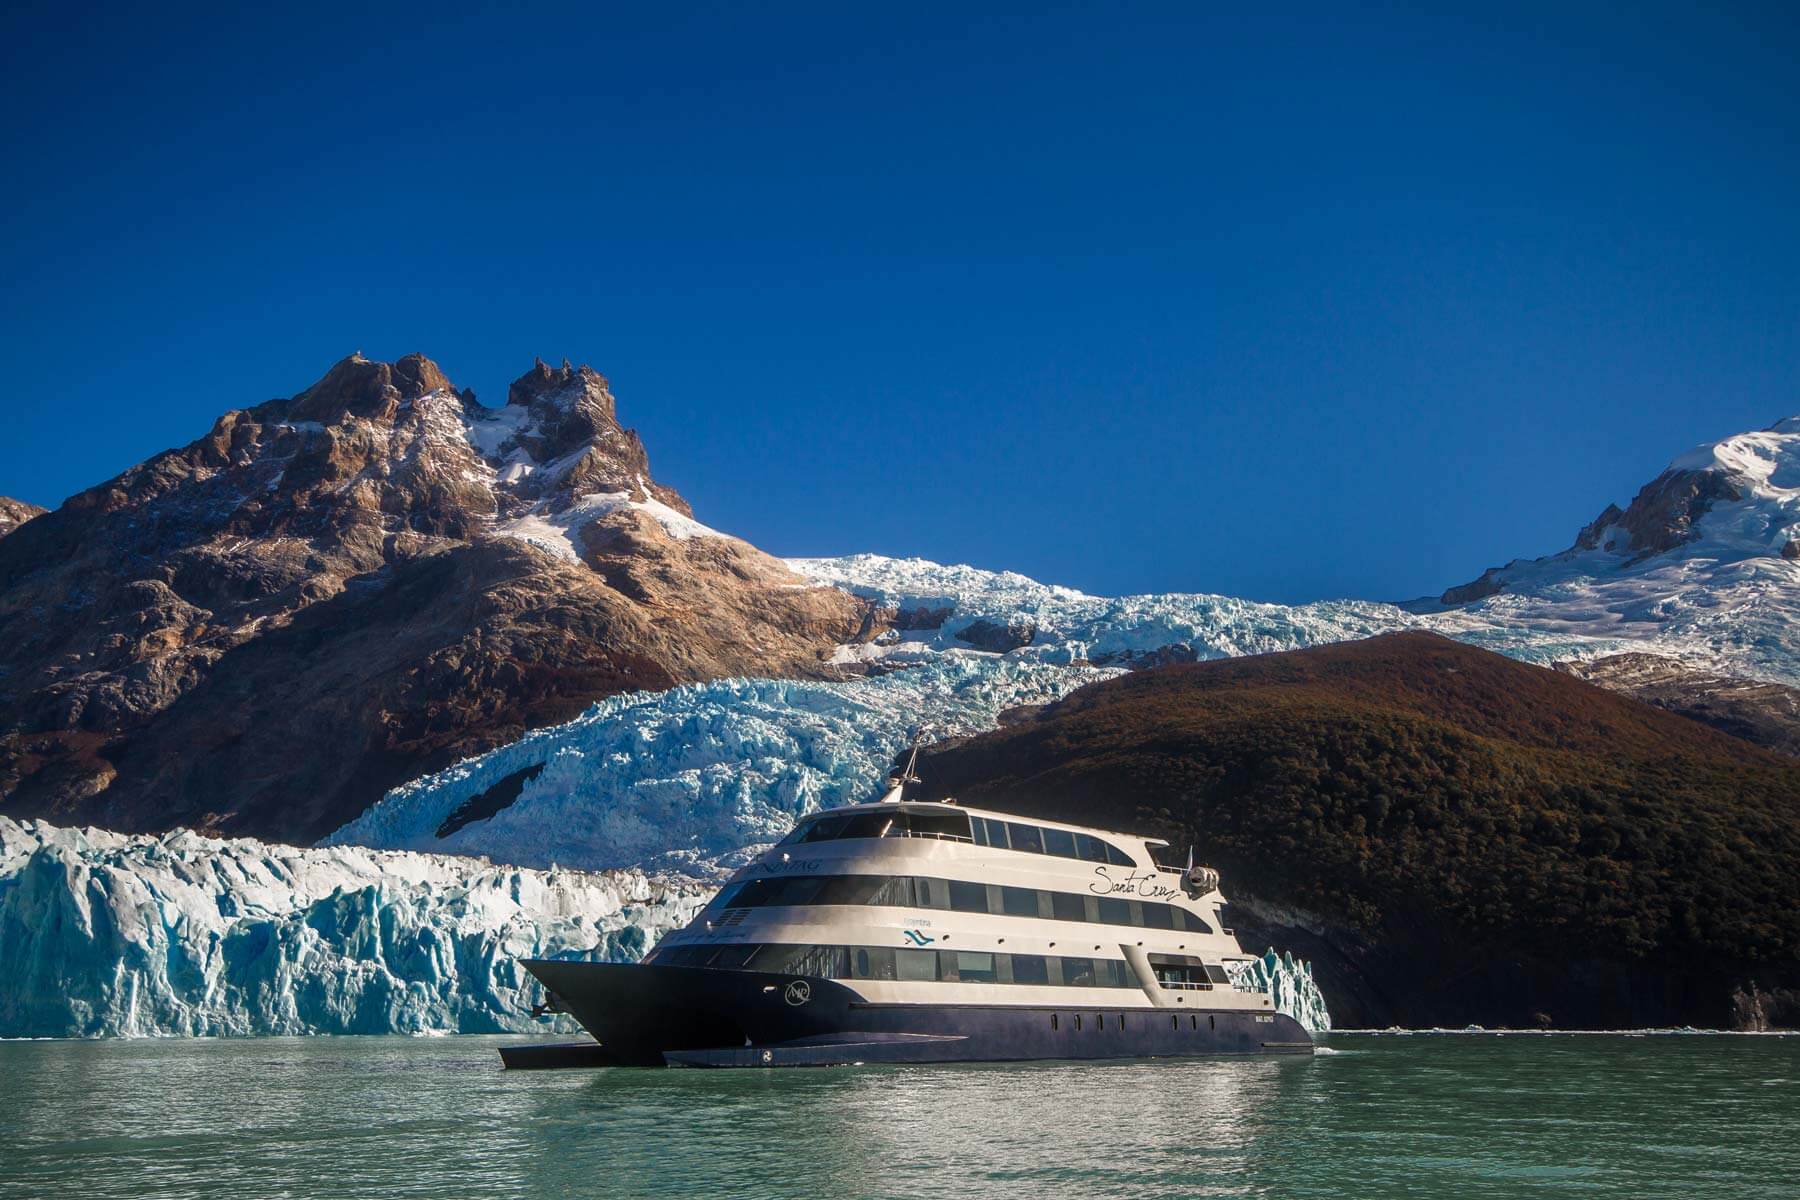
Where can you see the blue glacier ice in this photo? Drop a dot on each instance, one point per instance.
(684, 780)
(1289, 982)
(109, 934)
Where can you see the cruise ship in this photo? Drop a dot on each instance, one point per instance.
(908, 932)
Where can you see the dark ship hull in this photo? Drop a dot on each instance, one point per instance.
(650, 1015)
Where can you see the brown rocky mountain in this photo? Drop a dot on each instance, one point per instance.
(327, 595)
(1450, 836)
(1757, 711)
(14, 513)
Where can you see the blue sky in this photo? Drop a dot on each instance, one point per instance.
(1343, 301)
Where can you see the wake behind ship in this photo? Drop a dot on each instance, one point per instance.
(910, 932)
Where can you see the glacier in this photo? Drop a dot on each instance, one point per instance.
(112, 934)
(690, 779)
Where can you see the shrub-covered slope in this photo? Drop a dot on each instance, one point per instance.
(1451, 836)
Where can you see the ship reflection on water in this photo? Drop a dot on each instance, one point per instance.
(1074, 1128)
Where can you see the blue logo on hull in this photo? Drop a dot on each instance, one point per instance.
(919, 939)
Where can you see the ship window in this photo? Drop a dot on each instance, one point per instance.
(728, 895)
(1216, 973)
(1078, 1020)
(823, 829)
(1052, 1020)
(824, 961)
(978, 829)
(938, 824)
(932, 893)
(1191, 922)
(849, 889)
(1118, 857)
(1059, 842)
(1159, 916)
(1136, 908)
(1099, 1020)
(975, 966)
(996, 832)
(872, 962)
(752, 893)
(1078, 972)
(1114, 973)
(734, 958)
(1090, 848)
(798, 890)
(947, 965)
(865, 825)
(1067, 906)
(1114, 911)
(915, 964)
(1018, 901)
(1025, 837)
(894, 891)
(1030, 968)
(968, 897)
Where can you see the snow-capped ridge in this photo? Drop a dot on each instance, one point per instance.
(1703, 562)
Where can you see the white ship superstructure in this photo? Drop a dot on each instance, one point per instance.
(910, 931)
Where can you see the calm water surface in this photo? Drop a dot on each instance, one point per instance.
(1465, 1116)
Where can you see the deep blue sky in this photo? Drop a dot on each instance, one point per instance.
(1340, 302)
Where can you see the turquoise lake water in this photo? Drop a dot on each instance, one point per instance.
(1452, 1116)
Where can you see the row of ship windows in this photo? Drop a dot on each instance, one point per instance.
(957, 895)
(961, 827)
(889, 963)
(1098, 1021)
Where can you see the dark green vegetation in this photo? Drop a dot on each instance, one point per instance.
(1451, 835)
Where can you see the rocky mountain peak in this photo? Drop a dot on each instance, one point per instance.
(564, 420)
(373, 390)
(383, 569)
(14, 513)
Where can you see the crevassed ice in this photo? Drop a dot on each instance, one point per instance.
(680, 780)
(110, 934)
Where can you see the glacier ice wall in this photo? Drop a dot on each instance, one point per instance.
(104, 933)
(1289, 982)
